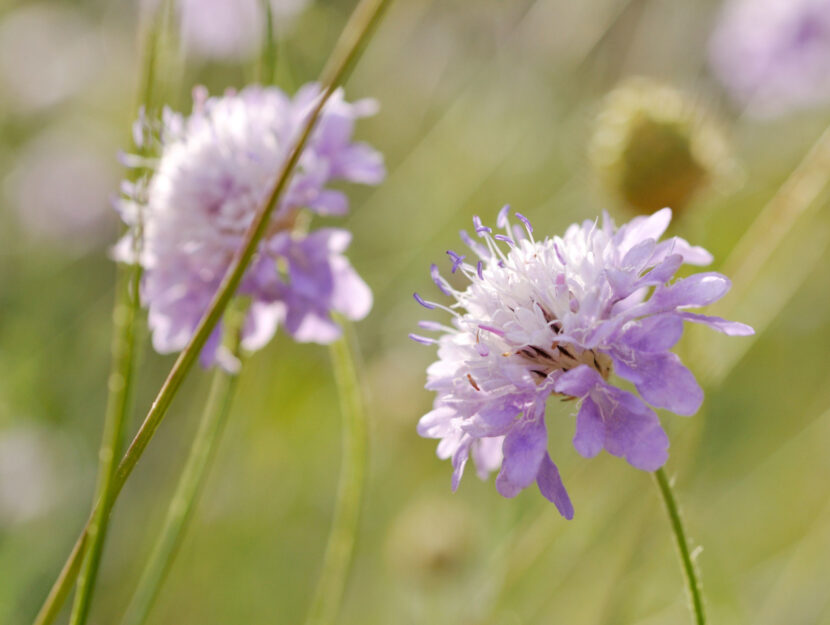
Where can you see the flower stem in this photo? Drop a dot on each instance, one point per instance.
(190, 483)
(119, 386)
(356, 33)
(337, 559)
(692, 578)
(268, 56)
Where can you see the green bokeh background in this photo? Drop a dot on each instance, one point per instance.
(484, 102)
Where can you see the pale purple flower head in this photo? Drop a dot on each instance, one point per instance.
(559, 317)
(228, 29)
(214, 172)
(774, 55)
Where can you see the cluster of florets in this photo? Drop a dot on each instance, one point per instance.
(558, 317)
(214, 171)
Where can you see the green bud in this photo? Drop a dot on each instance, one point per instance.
(653, 146)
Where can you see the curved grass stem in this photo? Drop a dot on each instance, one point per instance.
(355, 35)
(119, 385)
(180, 510)
(268, 55)
(693, 584)
(338, 556)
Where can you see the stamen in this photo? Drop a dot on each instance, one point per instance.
(526, 222)
(433, 305)
(434, 326)
(506, 239)
(422, 339)
(540, 352)
(439, 281)
(475, 246)
(519, 233)
(495, 331)
(479, 227)
(501, 220)
(457, 259)
(424, 303)
(564, 350)
(480, 270)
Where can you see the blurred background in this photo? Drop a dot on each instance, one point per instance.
(483, 103)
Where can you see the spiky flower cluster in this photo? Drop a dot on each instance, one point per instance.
(214, 171)
(559, 317)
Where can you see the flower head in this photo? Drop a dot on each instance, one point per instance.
(559, 317)
(773, 56)
(214, 172)
(654, 146)
(228, 29)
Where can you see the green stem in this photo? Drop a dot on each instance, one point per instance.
(338, 556)
(190, 484)
(268, 59)
(692, 579)
(346, 52)
(119, 385)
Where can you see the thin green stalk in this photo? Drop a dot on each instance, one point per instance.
(268, 59)
(120, 385)
(346, 52)
(180, 510)
(694, 586)
(120, 381)
(338, 556)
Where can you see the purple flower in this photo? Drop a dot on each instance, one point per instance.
(228, 29)
(558, 317)
(214, 172)
(774, 55)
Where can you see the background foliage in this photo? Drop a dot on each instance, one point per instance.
(483, 103)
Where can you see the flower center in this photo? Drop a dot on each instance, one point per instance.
(564, 357)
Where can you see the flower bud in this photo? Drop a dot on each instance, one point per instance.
(655, 147)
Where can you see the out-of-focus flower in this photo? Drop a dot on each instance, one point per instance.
(773, 56)
(214, 172)
(60, 188)
(229, 29)
(47, 54)
(655, 147)
(558, 317)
